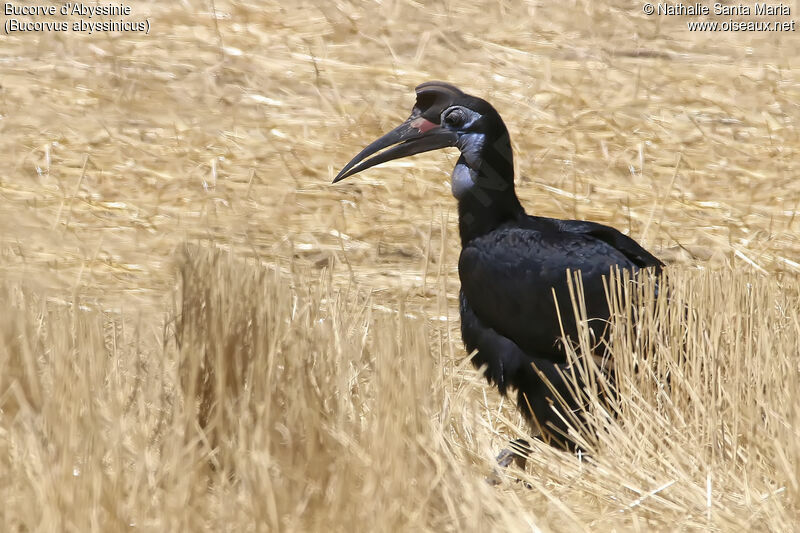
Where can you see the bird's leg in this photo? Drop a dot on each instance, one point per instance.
(517, 453)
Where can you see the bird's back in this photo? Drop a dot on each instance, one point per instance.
(512, 276)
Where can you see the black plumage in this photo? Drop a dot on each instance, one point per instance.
(511, 262)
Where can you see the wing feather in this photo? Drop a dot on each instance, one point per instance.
(508, 277)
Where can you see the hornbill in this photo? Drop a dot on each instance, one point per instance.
(512, 264)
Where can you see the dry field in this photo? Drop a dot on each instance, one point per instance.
(200, 333)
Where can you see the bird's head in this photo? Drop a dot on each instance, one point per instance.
(442, 116)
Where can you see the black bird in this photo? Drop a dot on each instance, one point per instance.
(511, 262)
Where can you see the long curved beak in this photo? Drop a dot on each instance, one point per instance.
(414, 136)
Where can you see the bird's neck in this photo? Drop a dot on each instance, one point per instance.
(483, 183)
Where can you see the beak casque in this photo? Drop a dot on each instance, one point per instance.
(420, 133)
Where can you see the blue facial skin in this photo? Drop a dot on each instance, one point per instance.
(465, 174)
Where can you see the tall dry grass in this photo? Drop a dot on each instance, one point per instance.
(278, 403)
(309, 374)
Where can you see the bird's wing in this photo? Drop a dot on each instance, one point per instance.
(613, 237)
(508, 277)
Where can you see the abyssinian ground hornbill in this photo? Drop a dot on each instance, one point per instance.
(511, 263)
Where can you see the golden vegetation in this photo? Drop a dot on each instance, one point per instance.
(298, 365)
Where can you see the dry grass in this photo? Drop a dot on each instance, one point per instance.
(309, 374)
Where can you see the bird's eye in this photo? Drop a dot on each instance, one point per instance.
(455, 118)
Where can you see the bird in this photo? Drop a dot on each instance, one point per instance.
(513, 267)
